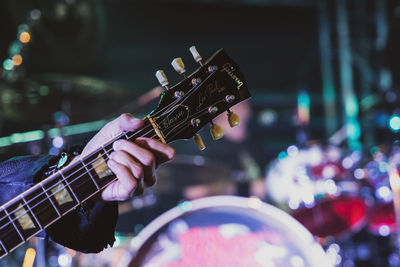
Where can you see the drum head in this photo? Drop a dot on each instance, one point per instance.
(226, 231)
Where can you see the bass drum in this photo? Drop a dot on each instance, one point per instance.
(226, 231)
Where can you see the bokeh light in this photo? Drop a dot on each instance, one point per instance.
(24, 37)
(17, 59)
(394, 123)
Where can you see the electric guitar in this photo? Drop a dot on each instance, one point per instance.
(183, 110)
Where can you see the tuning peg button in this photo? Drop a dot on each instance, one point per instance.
(216, 131)
(162, 79)
(233, 119)
(199, 142)
(195, 54)
(229, 98)
(178, 65)
(195, 122)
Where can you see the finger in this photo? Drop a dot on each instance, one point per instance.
(125, 185)
(137, 170)
(143, 155)
(162, 152)
(127, 160)
(125, 122)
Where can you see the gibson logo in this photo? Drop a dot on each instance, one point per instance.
(174, 115)
(229, 70)
(205, 94)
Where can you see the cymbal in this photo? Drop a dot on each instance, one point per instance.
(81, 98)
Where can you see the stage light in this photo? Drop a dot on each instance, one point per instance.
(27, 137)
(29, 257)
(58, 142)
(347, 162)
(8, 64)
(24, 37)
(17, 59)
(15, 48)
(292, 151)
(384, 230)
(359, 173)
(384, 193)
(64, 260)
(35, 14)
(394, 123)
(303, 108)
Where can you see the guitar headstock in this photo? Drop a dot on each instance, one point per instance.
(212, 89)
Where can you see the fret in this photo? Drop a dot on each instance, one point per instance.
(23, 219)
(15, 226)
(51, 201)
(68, 185)
(90, 175)
(106, 152)
(9, 236)
(80, 181)
(3, 250)
(42, 206)
(60, 194)
(31, 212)
(97, 165)
(127, 136)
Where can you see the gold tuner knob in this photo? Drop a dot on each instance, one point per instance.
(216, 131)
(233, 119)
(195, 54)
(199, 142)
(178, 65)
(162, 79)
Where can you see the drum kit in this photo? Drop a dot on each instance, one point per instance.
(344, 199)
(335, 209)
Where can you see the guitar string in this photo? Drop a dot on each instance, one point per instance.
(68, 183)
(63, 179)
(186, 96)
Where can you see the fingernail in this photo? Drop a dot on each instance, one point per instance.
(117, 144)
(112, 162)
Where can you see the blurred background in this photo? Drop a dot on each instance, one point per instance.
(317, 137)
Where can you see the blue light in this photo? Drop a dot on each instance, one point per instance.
(8, 64)
(394, 123)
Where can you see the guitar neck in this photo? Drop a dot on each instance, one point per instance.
(183, 109)
(45, 203)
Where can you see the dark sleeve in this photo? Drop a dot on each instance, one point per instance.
(89, 228)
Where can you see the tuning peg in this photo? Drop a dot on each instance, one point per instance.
(233, 119)
(216, 131)
(162, 79)
(195, 55)
(178, 65)
(199, 142)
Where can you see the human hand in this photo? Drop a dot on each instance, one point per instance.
(133, 163)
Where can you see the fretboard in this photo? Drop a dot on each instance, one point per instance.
(37, 208)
